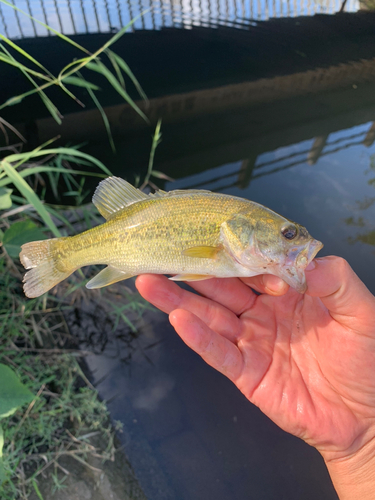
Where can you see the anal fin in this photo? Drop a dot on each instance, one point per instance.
(191, 277)
(108, 276)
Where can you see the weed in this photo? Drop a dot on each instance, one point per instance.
(64, 410)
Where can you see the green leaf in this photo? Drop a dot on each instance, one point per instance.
(120, 61)
(5, 199)
(13, 393)
(160, 175)
(29, 194)
(79, 82)
(12, 101)
(22, 157)
(18, 234)
(99, 67)
(36, 489)
(24, 53)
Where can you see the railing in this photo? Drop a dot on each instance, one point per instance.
(105, 16)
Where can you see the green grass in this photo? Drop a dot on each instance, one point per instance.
(65, 410)
(65, 407)
(113, 69)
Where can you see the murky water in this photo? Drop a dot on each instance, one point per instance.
(291, 126)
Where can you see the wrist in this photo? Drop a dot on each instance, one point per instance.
(354, 477)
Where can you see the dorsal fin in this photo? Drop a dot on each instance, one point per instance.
(114, 194)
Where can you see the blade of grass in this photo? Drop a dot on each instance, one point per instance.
(80, 82)
(29, 194)
(24, 157)
(77, 65)
(13, 129)
(102, 112)
(99, 67)
(120, 61)
(23, 68)
(155, 143)
(116, 68)
(69, 151)
(25, 54)
(47, 102)
(46, 169)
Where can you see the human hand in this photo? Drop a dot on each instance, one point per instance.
(307, 361)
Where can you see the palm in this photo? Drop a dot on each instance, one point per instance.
(304, 379)
(309, 370)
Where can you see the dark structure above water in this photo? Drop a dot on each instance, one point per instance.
(232, 93)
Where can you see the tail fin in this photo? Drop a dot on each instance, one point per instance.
(39, 257)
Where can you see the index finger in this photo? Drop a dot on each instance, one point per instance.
(236, 294)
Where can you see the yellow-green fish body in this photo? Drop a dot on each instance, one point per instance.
(191, 234)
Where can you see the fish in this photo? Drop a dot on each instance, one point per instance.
(190, 235)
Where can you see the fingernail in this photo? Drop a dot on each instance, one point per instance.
(311, 266)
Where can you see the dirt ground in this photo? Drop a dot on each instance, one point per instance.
(108, 481)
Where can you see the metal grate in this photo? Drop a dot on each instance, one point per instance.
(105, 16)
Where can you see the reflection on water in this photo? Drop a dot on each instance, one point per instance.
(322, 183)
(366, 205)
(103, 16)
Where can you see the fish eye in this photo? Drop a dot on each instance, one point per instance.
(289, 232)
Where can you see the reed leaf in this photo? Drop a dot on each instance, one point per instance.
(99, 67)
(120, 61)
(30, 195)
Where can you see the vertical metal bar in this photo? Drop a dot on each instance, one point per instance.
(152, 13)
(96, 15)
(172, 12)
(4, 23)
(108, 15)
(72, 17)
(32, 20)
(200, 11)
(120, 13)
(162, 15)
(18, 20)
(370, 136)
(140, 11)
(217, 10)
(84, 16)
(44, 15)
(58, 16)
(243, 9)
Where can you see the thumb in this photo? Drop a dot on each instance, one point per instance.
(342, 292)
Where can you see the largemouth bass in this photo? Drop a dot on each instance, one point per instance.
(192, 234)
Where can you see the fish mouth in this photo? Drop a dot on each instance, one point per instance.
(293, 271)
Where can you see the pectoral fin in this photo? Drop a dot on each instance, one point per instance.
(237, 234)
(202, 252)
(108, 276)
(191, 277)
